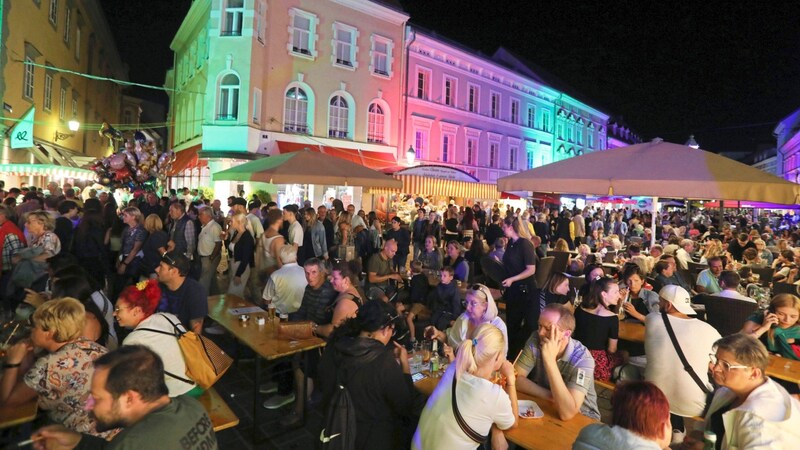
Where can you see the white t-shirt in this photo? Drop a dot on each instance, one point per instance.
(166, 347)
(285, 288)
(296, 234)
(664, 368)
(480, 402)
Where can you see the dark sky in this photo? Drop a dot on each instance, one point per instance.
(725, 71)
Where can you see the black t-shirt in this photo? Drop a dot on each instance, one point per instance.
(518, 255)
(493, 231)
(189, 302)
(451, 225)
(594, 331)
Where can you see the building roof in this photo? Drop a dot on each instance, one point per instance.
(392, 4)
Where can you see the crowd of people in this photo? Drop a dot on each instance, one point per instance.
(104, 282)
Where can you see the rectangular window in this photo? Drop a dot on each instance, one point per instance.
(380, 57)
(447, 142)
(27, 87)
(546, 121)
(62, 104)
(48, 92)
(579, 136)
(495, 105)
(53, 15)
(449, 91)
(493, 154)
(421, 143)
(78, 43)
(256, 105)
(512, 158)
(301, 34)
(560, 130)
(423, 84)
(344, 43)
(472, 149)
(530, 160)
(232, 18)
(261, 21)
(474, 94)
(514, 111)
(531, 116)
(590, 139)
(74, 107)
(67, 31)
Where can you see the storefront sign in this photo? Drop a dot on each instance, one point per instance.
(439, 172)
(22, 133)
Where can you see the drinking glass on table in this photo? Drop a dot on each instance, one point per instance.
(426, 351)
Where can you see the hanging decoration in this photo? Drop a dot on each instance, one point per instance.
(138, 164)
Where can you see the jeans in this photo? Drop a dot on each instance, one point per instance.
(208, 273)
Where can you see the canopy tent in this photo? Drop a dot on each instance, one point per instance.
(50, 170)
(655, 169)
(747, 204)
(307, 167)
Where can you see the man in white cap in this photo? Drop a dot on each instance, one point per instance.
(695, 340)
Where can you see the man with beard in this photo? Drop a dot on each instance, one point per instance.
(128, 391)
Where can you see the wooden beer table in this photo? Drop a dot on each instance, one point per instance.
(262, 339)
(784, 368)
(11, 416)
(631, 331)
(548, 432)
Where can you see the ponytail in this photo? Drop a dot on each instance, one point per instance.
(485, 345)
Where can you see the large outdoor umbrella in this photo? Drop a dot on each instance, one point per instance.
(307, 167)
(656, 169)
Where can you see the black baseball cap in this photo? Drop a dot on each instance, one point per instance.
(239, 201)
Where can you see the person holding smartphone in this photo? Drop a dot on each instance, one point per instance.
(778, 327)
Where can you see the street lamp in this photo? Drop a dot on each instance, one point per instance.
(73, 125)
(692, 143)
(410, 155)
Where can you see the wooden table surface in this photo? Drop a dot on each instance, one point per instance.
(261, 338)
(631, 331)
(11, 416)
(549, 432)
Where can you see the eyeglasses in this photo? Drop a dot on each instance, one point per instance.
(726, 366)
(474, 304)
(120, 308)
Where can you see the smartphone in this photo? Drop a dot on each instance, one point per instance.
(419, 376)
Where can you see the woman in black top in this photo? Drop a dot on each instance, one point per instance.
(519, 261)
(450, 224)
(597, 326)
(241, 248)
(88, 244)
(360, 357)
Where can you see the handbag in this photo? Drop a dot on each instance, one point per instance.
(205, 361)
(472, 434)
(295, 331)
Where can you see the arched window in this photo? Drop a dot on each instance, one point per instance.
(295, 111)
(376, 124)
(229, 98)
(338, 114)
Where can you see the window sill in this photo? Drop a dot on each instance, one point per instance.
(387, 76)
(351, 68)
(309, 56)
(237, 33)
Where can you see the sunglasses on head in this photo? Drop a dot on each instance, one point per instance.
(480, 289)
(167, 259)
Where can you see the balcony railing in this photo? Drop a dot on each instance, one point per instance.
(337, 134)
(230, 33)
(230, 117)
(296, 128)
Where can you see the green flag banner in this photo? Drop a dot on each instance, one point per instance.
(22, 133)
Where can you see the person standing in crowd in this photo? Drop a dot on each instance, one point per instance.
(434, 227)
(468, 226)
(565, 229)
(267, 255)
(209, 248)
(241, 251)
(402, 237)
(182, 233)
(418, 234)
(295, 235)
(322, 216)
(315, 236)
(286, 285)
(495, 231)
(579, 226)
(359, 357)
(520, 262)
(467, 389)
(130, 259)
(184, 297)
(128, 391)
(65, 223)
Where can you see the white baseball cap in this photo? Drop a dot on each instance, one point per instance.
(679, 298)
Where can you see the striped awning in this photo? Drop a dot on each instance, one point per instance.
(47, 170)
(421, 185)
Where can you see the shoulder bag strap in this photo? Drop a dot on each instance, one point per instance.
(178, 331)
(686, 366)
(472, 434)
(185, 380)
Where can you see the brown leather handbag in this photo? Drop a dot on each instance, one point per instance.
(296, 331)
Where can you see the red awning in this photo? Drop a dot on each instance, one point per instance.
(373, 160)
(509, 196)
(187, 159)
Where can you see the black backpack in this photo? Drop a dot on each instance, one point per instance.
(339, 426)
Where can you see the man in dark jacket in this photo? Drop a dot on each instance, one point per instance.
(402, 236)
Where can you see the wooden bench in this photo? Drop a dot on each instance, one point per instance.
(605, 384)
(222, 417)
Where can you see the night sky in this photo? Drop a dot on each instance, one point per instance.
(724, 71)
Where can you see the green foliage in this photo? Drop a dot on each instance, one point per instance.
(264, 196)
(208, 192)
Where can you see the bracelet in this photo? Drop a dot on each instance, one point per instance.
(11, 366)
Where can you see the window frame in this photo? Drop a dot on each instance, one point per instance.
(473, 98)
(376, 128)
(376, 39)
(351, 64)
(294, 125)
(67, 25)
(494, 149)
(311, 34)
(513, 153)
(448, 145)
(342, 116)
(256, 112)
(28, 78)
(233, 12)
(47, 101)
(78, 43)
(52, 13)
(471, 150)
(62, 104)
(232, 98)
(422, 138)
(531, 121)
(450, 94)
(426, 87)
(494, 105)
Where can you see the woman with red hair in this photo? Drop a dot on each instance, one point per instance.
(136, 309)
(640, 420)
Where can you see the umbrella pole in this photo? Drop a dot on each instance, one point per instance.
(653, 222)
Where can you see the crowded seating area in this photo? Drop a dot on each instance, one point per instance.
(126, 316)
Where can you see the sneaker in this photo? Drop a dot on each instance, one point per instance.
(677, 437)
(268, 388)
(276, 401)
(215, 329)
(291, 420)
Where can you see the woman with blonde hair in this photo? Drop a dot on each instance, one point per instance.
(713, 248)
(61, 376)
(241, 249)
(467, 392)
(156, 238)
(778, 327)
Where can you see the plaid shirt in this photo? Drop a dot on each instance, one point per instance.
(11, 245)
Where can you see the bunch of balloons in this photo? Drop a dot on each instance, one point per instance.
(137, 164)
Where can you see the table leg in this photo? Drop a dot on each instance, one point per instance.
(256, 406)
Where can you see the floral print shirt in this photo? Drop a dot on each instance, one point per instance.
(49, 241)
(63, 381)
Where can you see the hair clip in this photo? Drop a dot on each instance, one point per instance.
(141, 285)
(474, 342)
